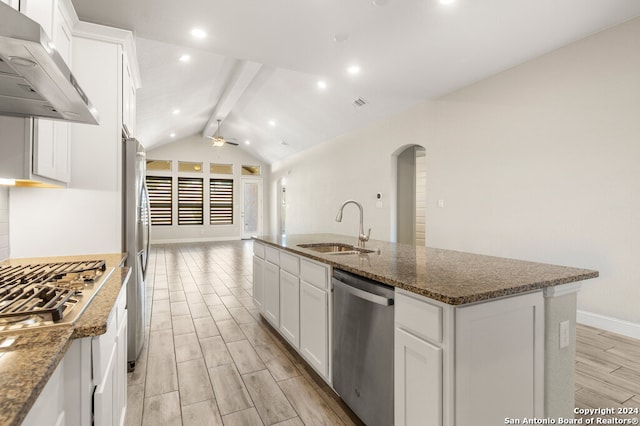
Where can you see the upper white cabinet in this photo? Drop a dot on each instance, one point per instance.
(104, 62)
(50, 139)
(128, 97)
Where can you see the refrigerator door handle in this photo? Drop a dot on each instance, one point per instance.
(145, 213)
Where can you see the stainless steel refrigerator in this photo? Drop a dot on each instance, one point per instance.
(136, 226)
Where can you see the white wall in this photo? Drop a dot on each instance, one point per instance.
(538, 162)
(4, 222)
(197, 149)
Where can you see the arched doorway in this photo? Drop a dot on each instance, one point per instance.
(411, 180)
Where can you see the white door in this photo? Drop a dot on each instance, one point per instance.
(251, 207)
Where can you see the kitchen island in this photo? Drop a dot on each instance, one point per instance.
(477, 338)
(28, 359)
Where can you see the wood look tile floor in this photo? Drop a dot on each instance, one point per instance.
(210, 359)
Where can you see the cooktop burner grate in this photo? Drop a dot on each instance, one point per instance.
(49, 290)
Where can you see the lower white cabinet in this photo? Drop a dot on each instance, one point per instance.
(271, 308)
(49, 408)
(468, 365)
(292, 293)
(314, 327)
(89, 386)
(290, 307)
(418, 381)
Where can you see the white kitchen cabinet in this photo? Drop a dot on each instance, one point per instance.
(13, 3)
(272, 293)
(290, 307)
(418, 381)
(109, 359)
(314, 326)
(50, 139)
(128, 96)
(470, 364)
(258, 282)
(49, 408)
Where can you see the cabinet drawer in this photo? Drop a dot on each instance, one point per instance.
(258, 250)
(272, 255)
(314, 273)
(419, 317)
(102, 348)
(290, 263)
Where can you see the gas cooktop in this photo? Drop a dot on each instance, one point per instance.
(48, 294)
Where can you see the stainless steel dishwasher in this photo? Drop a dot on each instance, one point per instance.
(363, 346)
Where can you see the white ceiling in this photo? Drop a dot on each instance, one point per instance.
(262, 59)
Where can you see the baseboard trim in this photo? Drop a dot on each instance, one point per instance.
(194, 240)
(614, 325)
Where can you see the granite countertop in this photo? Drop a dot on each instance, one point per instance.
(27, 364)
(451, 277)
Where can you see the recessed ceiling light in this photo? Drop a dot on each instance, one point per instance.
(272, 123)
(184, 58)
(447, 1)
(340, 37)
(247, 142)
(322, 85)
(176, 111)
(198, 33)
(172, 135)
(353, 69)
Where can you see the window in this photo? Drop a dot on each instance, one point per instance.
(188, 166)
(159, 165)
(221, 201)
(190, 201)
(221, 169)
(251, 170)
(160, 193)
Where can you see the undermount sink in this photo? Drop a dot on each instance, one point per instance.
(334, 248)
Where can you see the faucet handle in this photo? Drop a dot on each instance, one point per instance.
(365, 237)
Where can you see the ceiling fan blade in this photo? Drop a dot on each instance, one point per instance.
(231, 143)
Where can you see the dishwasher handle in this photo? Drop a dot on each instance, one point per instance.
(370, 297)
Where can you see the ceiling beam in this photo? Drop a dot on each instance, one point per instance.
(242, 74)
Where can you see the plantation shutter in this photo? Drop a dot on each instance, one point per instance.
(221, 201)
(190, 201)
(160, 193)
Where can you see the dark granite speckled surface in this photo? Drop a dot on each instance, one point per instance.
(27, 364)
(451, 277)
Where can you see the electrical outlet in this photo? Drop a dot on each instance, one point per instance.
(564, 334)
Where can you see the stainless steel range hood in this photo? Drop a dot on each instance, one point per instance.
(34, 79)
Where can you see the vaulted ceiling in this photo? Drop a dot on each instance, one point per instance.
(259, 65)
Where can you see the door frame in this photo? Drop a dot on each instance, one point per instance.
(244, 180)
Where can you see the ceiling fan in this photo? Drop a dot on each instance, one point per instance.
(217, 140)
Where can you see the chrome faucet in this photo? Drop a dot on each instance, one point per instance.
(362, 239)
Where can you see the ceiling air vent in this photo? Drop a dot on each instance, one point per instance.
(359, 102)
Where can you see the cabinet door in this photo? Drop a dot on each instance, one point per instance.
(13, 3)
(103, 402)
(272, 293)
(418, 381)
(258, 282)
(51, 143)
(290, 307)
(120, 388)
(40, 11)
(314, 325)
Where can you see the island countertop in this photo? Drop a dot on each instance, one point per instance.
(29, 361)
(451, 277)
